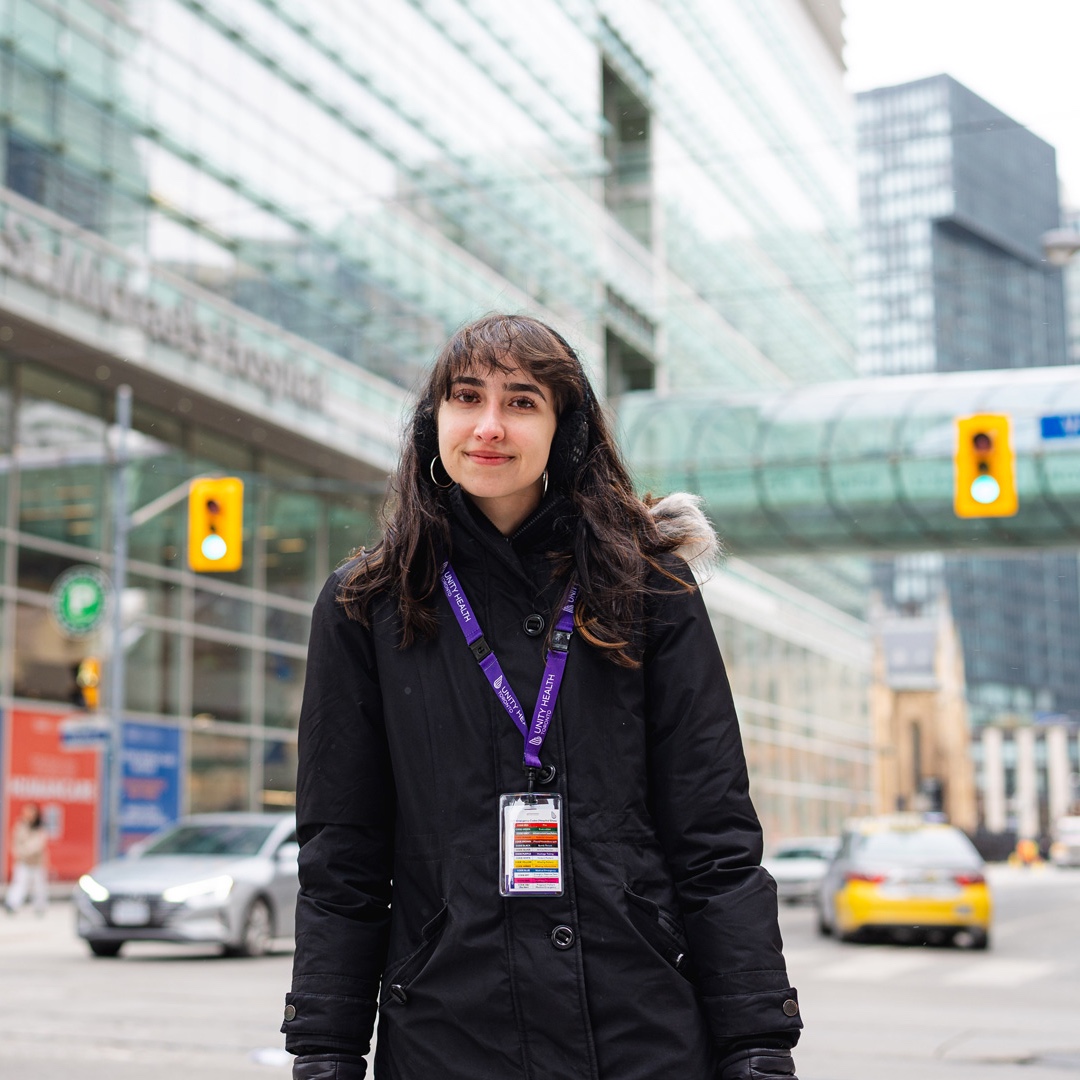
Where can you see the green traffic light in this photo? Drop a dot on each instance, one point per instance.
(214, 547)
(985, 489)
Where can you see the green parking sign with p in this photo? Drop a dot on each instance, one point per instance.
(80, 600)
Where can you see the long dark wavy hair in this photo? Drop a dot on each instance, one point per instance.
(615, 540)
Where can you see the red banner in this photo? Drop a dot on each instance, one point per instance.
(66, 783)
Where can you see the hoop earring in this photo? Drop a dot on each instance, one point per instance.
(544, 492)
(431, 469)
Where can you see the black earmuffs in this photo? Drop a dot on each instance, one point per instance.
(569, 448)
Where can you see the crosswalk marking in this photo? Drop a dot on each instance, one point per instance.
(998, 971)
(874, 965)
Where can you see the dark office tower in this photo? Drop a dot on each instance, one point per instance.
(954, 197)
(1071, 220)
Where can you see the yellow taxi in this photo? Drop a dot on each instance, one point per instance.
(909, 877)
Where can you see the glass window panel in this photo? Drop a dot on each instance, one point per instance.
(152, 596)
(220, 775)
(61, 455)
(35, 32)
(37, 570)
(46, 661)
(290, 538)
(88, 64)
(64, 504)
(6, 419)
(35, 95)
(219, 451)
(350, 525)
(221, 681)
(163, 539)
(82, 129)
(126, 217)
(279, 775)
(287, 626)
(223, 612)
(284, 688)
(152, 672)
(88, 15)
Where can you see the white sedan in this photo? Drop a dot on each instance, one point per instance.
(798, 865)
(228, 879)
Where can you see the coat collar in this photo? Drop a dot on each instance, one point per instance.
(549, 528)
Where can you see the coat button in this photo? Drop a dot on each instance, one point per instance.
(547, 775)
(533, 625)
(791, 1007)
(397, 992)
(290, 1012)
(562, 937)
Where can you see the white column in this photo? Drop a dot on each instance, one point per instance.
(1057, 771)
(1027, 790)
(993, 780)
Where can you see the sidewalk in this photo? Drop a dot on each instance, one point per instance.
(50, 934)
(58, 890)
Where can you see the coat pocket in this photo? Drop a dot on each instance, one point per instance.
(660, 929)
(400, 975)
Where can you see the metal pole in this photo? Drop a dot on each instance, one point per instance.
(119, 576)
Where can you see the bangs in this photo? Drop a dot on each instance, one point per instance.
(478, 357)
(501, 343)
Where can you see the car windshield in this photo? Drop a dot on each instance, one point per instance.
(917, 847)
(801, 853)
(211, 839)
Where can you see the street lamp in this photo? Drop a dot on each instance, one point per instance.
(1060, 245)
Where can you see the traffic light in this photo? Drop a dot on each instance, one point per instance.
(985, 467)
(88, 680)
(216, 524)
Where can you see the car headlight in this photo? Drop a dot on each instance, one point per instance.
(209, 891)
(94, 889)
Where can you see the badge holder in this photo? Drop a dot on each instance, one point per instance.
(530, 845)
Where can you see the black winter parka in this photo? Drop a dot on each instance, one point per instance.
(662, 955)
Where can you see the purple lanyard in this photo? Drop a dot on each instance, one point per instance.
(534, 733)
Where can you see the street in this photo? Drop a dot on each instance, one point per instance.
(159, 1012)
(899, 1012)
(882, 1011)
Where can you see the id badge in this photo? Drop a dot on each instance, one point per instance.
(530, 845)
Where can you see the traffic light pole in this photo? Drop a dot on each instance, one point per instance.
(117, 674)
(123, 523)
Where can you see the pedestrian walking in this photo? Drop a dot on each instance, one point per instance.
(565, 890)
(29, 856)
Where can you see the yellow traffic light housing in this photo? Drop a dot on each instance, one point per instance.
(985, 467)
(88, 680)
(216, 524)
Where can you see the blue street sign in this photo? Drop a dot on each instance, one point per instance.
(84, 733)
(1061, 427)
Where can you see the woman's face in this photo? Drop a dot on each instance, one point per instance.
(495, 432)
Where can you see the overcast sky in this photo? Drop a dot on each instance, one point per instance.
(1022, 56)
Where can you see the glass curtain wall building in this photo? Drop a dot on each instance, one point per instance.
(264, 215)
(954, 199)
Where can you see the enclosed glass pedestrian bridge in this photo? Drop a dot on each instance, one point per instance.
(864, 465)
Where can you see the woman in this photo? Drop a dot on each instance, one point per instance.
(560, 891)
(29, 848)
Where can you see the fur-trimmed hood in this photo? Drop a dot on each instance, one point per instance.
(679, 517)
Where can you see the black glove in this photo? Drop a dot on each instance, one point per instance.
(760, 1064)
(329, 1066)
